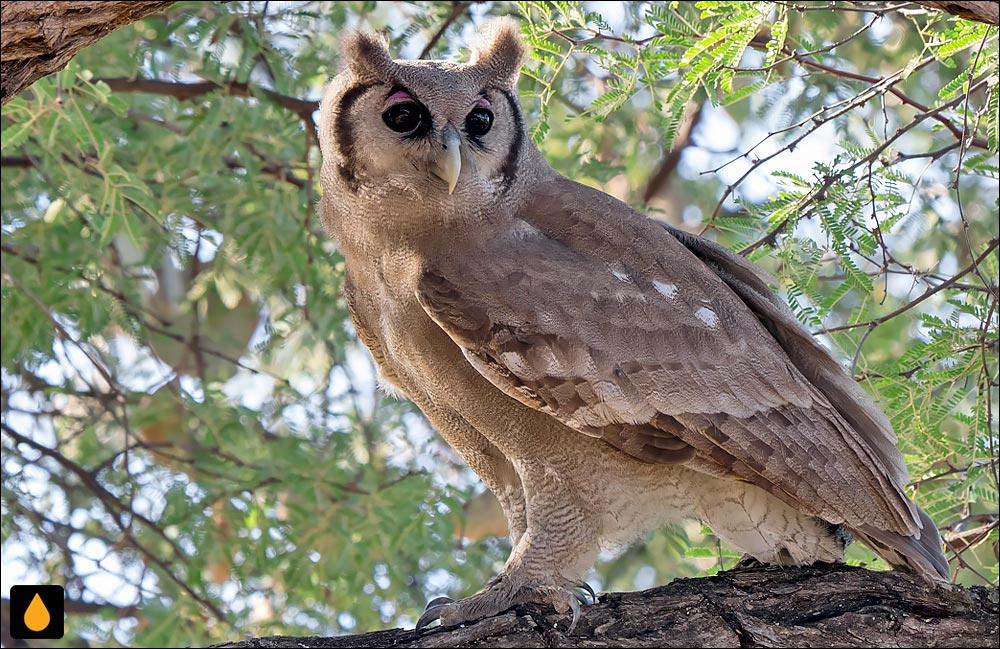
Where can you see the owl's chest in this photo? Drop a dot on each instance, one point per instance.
(412, 353)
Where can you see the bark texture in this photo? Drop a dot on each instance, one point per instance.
(39, 38)
(984, 12)
(814, 606)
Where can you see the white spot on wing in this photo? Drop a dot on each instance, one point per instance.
(664, 289)
(620, 272)
(707, 316)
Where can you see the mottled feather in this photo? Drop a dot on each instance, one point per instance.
(609, 322)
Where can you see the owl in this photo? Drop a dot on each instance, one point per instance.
(604, 373)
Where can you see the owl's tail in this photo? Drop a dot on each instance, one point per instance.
(917, 554)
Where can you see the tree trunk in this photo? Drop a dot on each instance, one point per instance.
(814, 606)
(39, 38)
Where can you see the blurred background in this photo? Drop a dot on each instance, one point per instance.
(194, 443)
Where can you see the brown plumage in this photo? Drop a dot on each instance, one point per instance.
(602, 372)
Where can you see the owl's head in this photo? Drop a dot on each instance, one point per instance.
(435, 130)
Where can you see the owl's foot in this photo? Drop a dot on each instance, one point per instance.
(503, 593)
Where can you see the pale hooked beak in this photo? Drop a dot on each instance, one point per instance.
(448, 163)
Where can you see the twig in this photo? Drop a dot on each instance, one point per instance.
(951, 471)
(456, 10)
(15, 162)
(661, 177)
(978, 142)
(90, 480)
(924, 296)
(961, 154)
(60, 329)
(187, 91)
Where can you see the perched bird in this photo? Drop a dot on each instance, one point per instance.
(602, 372)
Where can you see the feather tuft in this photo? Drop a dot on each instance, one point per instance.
(502, 51)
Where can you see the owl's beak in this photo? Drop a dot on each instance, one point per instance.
(448, 163)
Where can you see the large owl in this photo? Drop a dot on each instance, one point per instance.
(602, 372)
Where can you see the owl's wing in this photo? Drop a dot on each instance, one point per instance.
(603, 319)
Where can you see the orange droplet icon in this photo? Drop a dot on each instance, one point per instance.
(37, 616)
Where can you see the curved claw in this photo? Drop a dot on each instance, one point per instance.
(433, 611)
(574, 604)
(584, 586)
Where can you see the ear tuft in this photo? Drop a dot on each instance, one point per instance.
(366, 54)
(502, 51)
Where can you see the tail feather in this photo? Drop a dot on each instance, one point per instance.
(921, 554)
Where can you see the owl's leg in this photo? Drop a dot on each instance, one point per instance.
(546, 566)
(505, 484)
(492, 467)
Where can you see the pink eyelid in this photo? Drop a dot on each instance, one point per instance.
(402, 95)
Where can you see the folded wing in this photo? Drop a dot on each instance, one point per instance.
(672, 351)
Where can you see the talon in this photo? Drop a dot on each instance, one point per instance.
(574, 604)
(437, 602)
(582, 585)
(433, 611)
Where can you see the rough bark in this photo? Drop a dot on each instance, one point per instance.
(39, 38)
(984, 12)
(815, 606)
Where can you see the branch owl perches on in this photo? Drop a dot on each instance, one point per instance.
(603, 373)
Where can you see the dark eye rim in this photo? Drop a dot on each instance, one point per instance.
(421, 115)
(474, 132)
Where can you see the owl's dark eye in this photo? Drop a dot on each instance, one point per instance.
(478, 122)
(405, 117)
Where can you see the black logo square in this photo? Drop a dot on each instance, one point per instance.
(36, 612)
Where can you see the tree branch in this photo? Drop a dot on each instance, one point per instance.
(923, 296)
(39, 38)
(661, 177)
(984, 12)
(186, 91)
(120, 511)
(456, 10)
(977, 142)
(814, 606)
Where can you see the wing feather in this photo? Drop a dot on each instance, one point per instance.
(611, 324)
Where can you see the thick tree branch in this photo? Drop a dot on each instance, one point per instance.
(984, 12)
(39, 38)
(815, 606)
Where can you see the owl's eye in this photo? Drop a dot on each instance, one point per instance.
(478, 122)
(405, 117)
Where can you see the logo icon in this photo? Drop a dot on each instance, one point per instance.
(36, 612)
